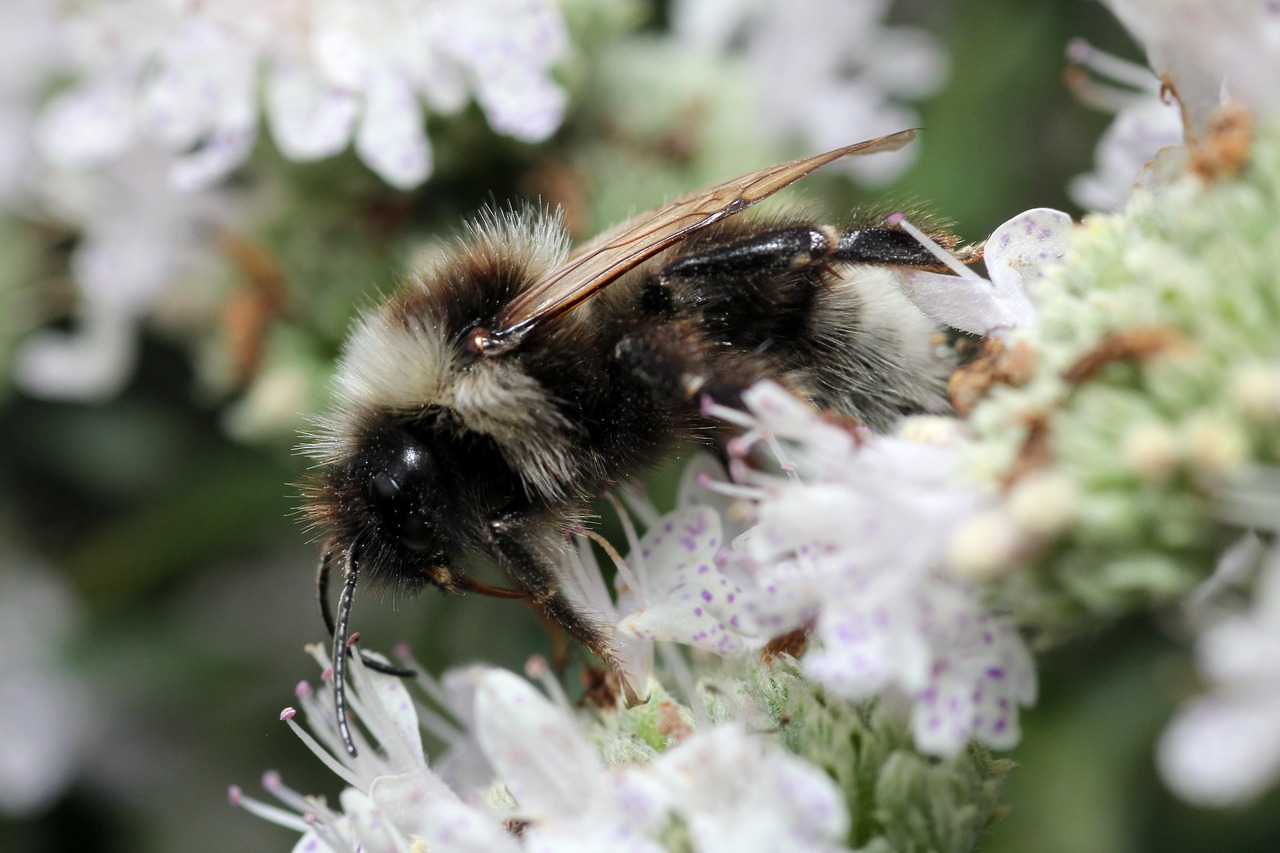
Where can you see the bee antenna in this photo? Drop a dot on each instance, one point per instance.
(340, 647)
(326, 613)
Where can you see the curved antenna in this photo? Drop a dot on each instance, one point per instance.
(340, 650)
(322, 590)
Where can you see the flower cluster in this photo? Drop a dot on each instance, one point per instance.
(1134, 424)
(523, 774)
(854, 78)
(185, 77)
(848, 544)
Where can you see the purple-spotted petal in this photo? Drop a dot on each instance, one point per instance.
(1020, 250)
(686, 598)
(1016, 255)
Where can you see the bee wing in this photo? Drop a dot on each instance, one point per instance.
(602, 261)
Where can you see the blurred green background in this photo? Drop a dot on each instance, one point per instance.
(195, 580)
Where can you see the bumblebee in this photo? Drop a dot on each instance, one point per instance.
(485, 404)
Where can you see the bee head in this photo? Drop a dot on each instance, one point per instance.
(410, 498)
(400, 483)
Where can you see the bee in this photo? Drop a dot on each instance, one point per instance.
(485, 404)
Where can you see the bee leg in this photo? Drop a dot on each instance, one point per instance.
(674, 360)
(518, 555)
(783, 249)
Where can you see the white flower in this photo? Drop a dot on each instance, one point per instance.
(1017, 255)
(1144, 124)
(850, 543)
(139, 239)
(186, 77)
(1223, 748)
(47, 713)
(828, 71)
(549, 790)
(1205, 49)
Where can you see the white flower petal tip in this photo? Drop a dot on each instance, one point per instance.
(1223, 748)
(1017, 255)
(93, 364)
(1221, 753)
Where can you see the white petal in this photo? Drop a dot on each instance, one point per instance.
(739, 792)
(968, 304)
(868, 643)
(397, 708)
(183, 96)
(1019, 251)
(686, 598)
(231, 140)
(88, 125)
(391, 138)
(521, 103)
(420, 805)
(93, 363)
(535, 747)
(309, 118)
(366, 822)
(1222, 752)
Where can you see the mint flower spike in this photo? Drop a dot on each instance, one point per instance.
(847, 539)
(1017, 255)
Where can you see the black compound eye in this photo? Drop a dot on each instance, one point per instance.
(398, 495)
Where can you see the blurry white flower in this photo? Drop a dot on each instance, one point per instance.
(849, 542)
(550, 790)
(828, 71)
(30, 44)
(186, 77)
(1145, 123)
(138, 239)
(1207, 50)
(1016, 256)
(1223, 748)
(45, 713)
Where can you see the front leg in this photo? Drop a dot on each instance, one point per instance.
(516, 546)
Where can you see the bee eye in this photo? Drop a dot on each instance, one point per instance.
(397, 495)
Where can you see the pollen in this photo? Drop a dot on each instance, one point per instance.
(1151, 450)
(983, 548)
(1215, 445)
(1044, 503)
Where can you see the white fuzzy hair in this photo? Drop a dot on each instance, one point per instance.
(399, 358)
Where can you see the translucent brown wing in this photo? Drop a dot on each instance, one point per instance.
(602, 261)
